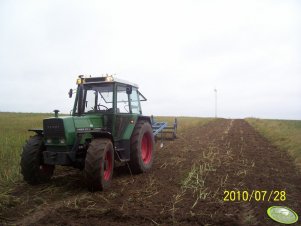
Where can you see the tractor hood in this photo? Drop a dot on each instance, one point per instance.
(62, 130)
(88, 121)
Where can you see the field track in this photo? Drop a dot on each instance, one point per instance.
(185, 186)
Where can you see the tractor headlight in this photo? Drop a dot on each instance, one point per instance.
(62, 141)
(109, 78)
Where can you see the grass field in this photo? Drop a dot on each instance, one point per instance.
(13, 134)
(285, 134)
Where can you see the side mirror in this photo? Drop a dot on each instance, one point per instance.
(70, 93)
(129, 90)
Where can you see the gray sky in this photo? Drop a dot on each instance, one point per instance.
(177, 51)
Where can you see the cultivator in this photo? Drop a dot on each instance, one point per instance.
(161, 129)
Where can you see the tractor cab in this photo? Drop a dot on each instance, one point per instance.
(106, 95)
(111, 106)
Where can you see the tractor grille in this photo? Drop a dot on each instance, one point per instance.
(54, 128)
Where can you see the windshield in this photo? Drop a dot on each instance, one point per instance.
(98, 98)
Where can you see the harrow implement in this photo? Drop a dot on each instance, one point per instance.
(161, 128)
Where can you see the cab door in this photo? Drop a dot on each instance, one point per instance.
(127, 111)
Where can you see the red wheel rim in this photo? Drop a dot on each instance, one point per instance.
(108, 166)
(146, 148)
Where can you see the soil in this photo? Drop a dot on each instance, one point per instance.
(186, 185)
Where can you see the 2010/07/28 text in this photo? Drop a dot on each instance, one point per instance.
(257, 195)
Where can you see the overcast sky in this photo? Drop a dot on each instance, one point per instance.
(177, 51)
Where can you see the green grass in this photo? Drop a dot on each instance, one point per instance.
(285, 134)
(13, 134)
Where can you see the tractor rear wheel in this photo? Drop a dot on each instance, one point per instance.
(142, 147)
(33, 169)
(99, 164)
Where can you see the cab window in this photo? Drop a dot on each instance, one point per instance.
(135, 101)
(122, 100)
(98, 98)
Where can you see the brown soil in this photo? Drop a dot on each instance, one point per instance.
(224, 154)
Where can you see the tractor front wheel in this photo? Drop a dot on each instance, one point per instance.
(142, 147)
(99, 164)
(33, 169)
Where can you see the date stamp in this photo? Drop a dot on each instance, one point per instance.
(254, 195)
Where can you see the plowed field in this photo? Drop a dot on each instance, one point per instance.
(185, 186)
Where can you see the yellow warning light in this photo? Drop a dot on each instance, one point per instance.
(80, 80)
(109, 78)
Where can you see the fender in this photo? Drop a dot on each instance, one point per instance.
(95, 132)
(37, 131)
(145, 118)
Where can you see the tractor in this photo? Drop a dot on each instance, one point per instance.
(105, 125)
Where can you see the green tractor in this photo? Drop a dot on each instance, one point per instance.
(106, 125)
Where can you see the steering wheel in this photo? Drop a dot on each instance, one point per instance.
(100, 105)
